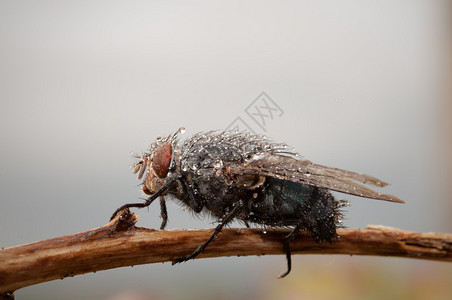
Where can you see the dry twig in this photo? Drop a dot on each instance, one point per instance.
(120, 243)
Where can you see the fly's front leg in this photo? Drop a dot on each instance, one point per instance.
(193, 202)
(148, 200)
(217, 230)
(138, 205)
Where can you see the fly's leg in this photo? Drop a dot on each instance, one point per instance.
(163, 212)
(195, 204)
(148, 200)
(217, 230)
(138, 205)
(286, 248)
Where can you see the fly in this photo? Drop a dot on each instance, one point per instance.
(247, 177)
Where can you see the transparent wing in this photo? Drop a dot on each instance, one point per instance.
(304, 171)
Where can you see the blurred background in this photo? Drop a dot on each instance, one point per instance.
(359, 85)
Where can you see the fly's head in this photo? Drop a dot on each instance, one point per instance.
(159, 164)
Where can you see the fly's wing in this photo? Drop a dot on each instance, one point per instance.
(305, 172)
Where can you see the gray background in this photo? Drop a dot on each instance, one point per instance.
(363, 86)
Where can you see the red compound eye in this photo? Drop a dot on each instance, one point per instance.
(162, 159)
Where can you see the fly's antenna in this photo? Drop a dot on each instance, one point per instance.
(140, 167)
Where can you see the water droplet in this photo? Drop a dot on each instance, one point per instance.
(265, 231)
(182, 130)
(218, 164)
(344, 203)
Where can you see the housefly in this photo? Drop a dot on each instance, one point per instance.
(247, 177)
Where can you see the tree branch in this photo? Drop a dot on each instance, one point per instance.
(120, 243)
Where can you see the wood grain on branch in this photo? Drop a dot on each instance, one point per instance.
(120, 243)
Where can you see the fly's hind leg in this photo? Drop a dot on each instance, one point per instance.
(286, 248)
(217, 230)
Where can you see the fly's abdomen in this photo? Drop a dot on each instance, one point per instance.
(286, 203)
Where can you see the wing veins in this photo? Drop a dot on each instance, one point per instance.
(304, 171)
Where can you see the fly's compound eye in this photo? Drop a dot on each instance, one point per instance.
(161, 159)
